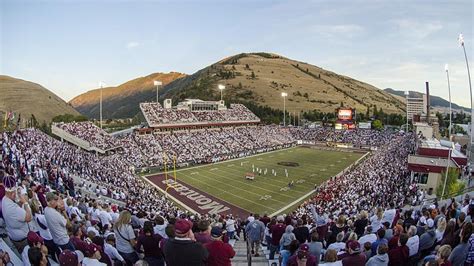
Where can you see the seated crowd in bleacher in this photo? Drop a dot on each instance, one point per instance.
(356, 219)
(91, 133)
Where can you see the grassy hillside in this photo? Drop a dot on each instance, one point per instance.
(122, 101)
(27, 98)
(262, 77)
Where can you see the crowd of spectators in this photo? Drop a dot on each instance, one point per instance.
(155, 114)
(354, 219)
(90, 133)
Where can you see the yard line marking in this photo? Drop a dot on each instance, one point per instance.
(230, 165)
(227, 192)
(214, 169)
(194, 173)
(259, 159)
(311, 175)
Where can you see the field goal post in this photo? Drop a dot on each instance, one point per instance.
(165, 161)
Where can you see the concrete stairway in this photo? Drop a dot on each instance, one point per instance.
(240, 258)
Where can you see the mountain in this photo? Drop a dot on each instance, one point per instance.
(27, 98)
(436, 101)
(122, 101)
(257, 78)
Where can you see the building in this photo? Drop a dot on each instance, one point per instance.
(431, 159)
(416, 106)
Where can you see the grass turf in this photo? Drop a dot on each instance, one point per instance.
(268, 193)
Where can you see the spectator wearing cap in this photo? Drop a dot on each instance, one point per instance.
(16, 215)
(111, 251)
(255, 231)
(277, 232)
(381, 259)
(428, 239)
(183, 249)
(56, 219)
(150, 242)
(400, 254)
(380, 240)
(34, 240)
(220, 253)
(303, 257)
(356, 257)
(37, 257)
(92, 256)
(204, 234)
(126, 240)
(69, 258)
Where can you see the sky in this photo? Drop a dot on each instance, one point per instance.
(70, 46)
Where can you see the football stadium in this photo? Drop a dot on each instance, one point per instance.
(255, 159)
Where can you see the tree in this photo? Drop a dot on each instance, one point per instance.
(377, 124)
(253, 75)
(453, 185)
(247, 66)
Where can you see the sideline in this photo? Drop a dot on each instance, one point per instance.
(167, 195)
(314, 190)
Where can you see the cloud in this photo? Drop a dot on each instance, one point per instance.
(342, 30)
(416, 29)
(132, 45)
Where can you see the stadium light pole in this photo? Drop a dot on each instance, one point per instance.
(157, 83)
(446, 175)
(406, 96)
(446, 67)
(284, 94)
(221, 88)
(101, 84)
(461, 42)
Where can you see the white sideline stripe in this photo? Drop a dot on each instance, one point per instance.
(314, 190)
(168, 195)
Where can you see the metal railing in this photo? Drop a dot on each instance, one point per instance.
(249, 251)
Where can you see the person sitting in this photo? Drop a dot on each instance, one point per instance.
(37, 257)
(34, 240)
(92, 256)
(303, 257)
(112, 252)
(381, 259)
(355, 257)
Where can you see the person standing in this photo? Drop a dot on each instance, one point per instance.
(126, 239)
(16, 217)
(220, 253)
(150, 243)
(255, 231)
(56, 219)
(183, 248)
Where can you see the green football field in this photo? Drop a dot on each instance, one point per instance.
(268, 193)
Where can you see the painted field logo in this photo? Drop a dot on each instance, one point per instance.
(203, 203)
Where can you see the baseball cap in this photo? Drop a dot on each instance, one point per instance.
(216, 231)
(68, 258)
(182, 226)
(34, 238)
(354, 246)
(303, 252)
(91, 249)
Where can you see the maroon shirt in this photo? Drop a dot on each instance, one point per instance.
(203, 237)
(220, 253)
(354, 260)
(398, 255)
(277, 231)
(311, 260)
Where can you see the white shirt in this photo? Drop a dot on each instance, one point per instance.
(44, 233)
(338, 246)
(413, 244)
(112, 252)
(389, 215)
(105, 218)
(24, 256)
(92, 262)
(367, 238)
(14, 217)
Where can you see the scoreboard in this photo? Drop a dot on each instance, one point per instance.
(345, 114)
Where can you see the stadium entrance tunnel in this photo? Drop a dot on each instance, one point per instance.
(291, 164)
